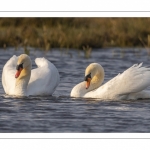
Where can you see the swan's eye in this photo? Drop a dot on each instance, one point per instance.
(88, 76)
(19, 66)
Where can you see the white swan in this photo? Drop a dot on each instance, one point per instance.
(128, 85)
(18, 78)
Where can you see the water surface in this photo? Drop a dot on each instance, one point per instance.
(60, 113)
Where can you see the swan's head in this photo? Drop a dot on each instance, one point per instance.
(94, 73)
(24, 62)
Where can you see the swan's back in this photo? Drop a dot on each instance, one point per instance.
(44, 79)
(134, 79)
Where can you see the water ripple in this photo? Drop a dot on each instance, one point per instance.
(60, 113)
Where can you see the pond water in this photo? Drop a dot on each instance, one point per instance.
(62, 114)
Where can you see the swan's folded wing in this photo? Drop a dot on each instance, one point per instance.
(8, 75)
(134, 79)
(44, 79)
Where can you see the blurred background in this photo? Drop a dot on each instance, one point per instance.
(78, 33)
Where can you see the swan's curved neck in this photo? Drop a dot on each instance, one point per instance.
(97, 79)
(22, 82)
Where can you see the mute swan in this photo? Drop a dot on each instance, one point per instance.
(128, 85)
(40, 81)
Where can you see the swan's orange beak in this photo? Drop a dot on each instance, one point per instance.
(18, 73)
(88, 80)
(88, 83)
(19, 68)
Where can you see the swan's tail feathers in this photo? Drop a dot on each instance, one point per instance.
(137, 65)
(140, 64)
(40, 62)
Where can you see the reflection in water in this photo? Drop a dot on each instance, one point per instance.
(60, 113)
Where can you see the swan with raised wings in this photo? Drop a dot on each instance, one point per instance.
(131, 84)
(18, 78)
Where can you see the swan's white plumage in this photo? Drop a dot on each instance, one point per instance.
(8, 75)
(47, 76)
(43, 81)
(128, 85)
